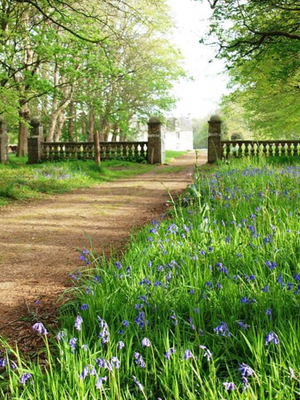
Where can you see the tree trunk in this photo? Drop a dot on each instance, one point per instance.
(24, 115)
(72, 116)
(91, 126)
(59, 126)
(115, 133)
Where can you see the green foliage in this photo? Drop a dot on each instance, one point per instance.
(260, 41)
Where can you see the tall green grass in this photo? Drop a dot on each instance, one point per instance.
(221, 272)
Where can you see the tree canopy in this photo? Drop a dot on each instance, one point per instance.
(85, 65)
(260, 41)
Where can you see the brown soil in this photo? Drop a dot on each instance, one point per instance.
(39, 240)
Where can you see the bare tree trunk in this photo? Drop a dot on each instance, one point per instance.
(91, 126)
(115, 132)
(24, 115)
(72, 116)
(59, 126)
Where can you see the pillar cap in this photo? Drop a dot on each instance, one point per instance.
(215, 118)
(35, 121)
(154, 121)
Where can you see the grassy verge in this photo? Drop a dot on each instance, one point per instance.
(170, 155)
(19, 181)
(204, 304)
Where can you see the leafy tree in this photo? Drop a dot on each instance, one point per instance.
(260, 41)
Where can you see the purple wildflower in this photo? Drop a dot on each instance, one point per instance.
(222, 329)
(100, 381)
(169, 352)
(246, 370)
(120, 345)
(271, 338)
(229, 386)
(138, 384)
(78, 322)
(60, 335)
(207, 352)
(72, 343)
(115, 362)
(25, 377)
(139, 360)
(87, 370)
(146, 342)
(188, 354)
(39, 327)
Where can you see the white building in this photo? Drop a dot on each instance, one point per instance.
(178, 134)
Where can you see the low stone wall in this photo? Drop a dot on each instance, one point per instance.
(131, 151)
(219, 149)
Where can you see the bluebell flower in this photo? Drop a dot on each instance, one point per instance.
(120, 345)
(140, 320)
(173, 228)
(72, 343)
(60, 335)
(100, 381)
(146, 342)
(115, 362)
(243, 326)
(229, 386)
(118, 265)
(138, 384)
(269, 313)
(84, 307)
(246, 370)
(271, 338)
(39, 327)
(188, 354)
(139, 360)
(173, 317)
(265, 289)
(280, 280)
(87, 370)
(25, 377)
(78, 322)
(207, 352)
(169, 352)
(222, 329)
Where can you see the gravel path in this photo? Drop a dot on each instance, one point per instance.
(39, 240)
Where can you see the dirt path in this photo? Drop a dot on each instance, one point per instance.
(39, 240)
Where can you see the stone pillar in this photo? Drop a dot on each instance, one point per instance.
(3, 142)
(156, 148)
(35, 141)
(214, 139)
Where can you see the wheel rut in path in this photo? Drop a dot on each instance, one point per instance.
(39, 240)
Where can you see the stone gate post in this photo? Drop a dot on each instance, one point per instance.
(3, 142)
(156, 151)
(214, 139)
(35, 141)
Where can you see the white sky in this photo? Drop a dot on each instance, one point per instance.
(202, 95)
